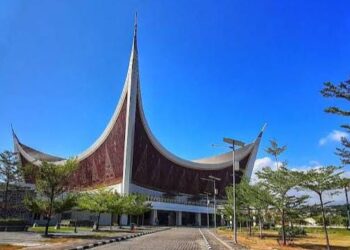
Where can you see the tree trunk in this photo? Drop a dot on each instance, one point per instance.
(110, 226)
(5, 199)
(247, 224)
(284, 240)
(250, 222)
(324, 222)
(137, 220)
(120, 221)
(347, 207)
(143, 219)
(49, 215)
(47, 224)
(98, 221)
(260, 227)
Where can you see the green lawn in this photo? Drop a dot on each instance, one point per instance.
(337, 231)
(339, 239)
(61, 230)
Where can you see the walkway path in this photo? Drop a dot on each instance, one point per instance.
(173, 239)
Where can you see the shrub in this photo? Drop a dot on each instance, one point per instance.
(292, 232)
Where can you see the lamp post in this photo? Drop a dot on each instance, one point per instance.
(207, 194)
(234, 143)
(213, 179)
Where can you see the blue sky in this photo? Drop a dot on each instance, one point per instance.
(209, 69)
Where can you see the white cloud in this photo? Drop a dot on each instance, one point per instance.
(314, 163)
(263, 163)
(335, 136)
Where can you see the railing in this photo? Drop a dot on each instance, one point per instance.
(177, 201)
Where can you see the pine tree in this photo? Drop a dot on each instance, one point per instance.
(51, 183)
(279, 183)
(319, 181)
(345, 183)
(96, 201)
(340, 91)
(10, 173)
(275, 150)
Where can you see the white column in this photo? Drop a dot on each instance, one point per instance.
(123, 220)
(198, 219)
(222, 220)
(154, 217)
(179, 218)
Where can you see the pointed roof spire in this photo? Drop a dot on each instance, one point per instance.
(134, 43)
(135, 24)
(13, 133)
(262, 130)
(15, 140)
(135, 32)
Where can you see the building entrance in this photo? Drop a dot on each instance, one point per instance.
(166, 218)
(188, 219)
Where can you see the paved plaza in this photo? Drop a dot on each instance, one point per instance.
(62, 241)
(173, 239)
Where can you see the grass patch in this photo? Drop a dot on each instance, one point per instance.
(59, 240)
(331, 231)
(315, 240)
(61, 230)
(89, 234)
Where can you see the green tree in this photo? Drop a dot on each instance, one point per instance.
(51, 182)
(260, 200)
(137, 205)
(9, 173)
(345, 183)
(41, 205)
(242, 201)
(249, 197)
(319, 181)
(96, 201)
(115, 205)
(37, 205)
(245, 199)
(340, 91)
(66, 203)
(275, 150)
(279, 183)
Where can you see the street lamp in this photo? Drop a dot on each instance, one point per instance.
(207, 194)
(234, 143)
(213, 179)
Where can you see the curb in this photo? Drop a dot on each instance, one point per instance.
(205, 240)
(117, 239)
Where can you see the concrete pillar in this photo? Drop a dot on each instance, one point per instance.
(179, 218)
(154, 217)
(198, 219)
(222, 220)
(123, 220)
